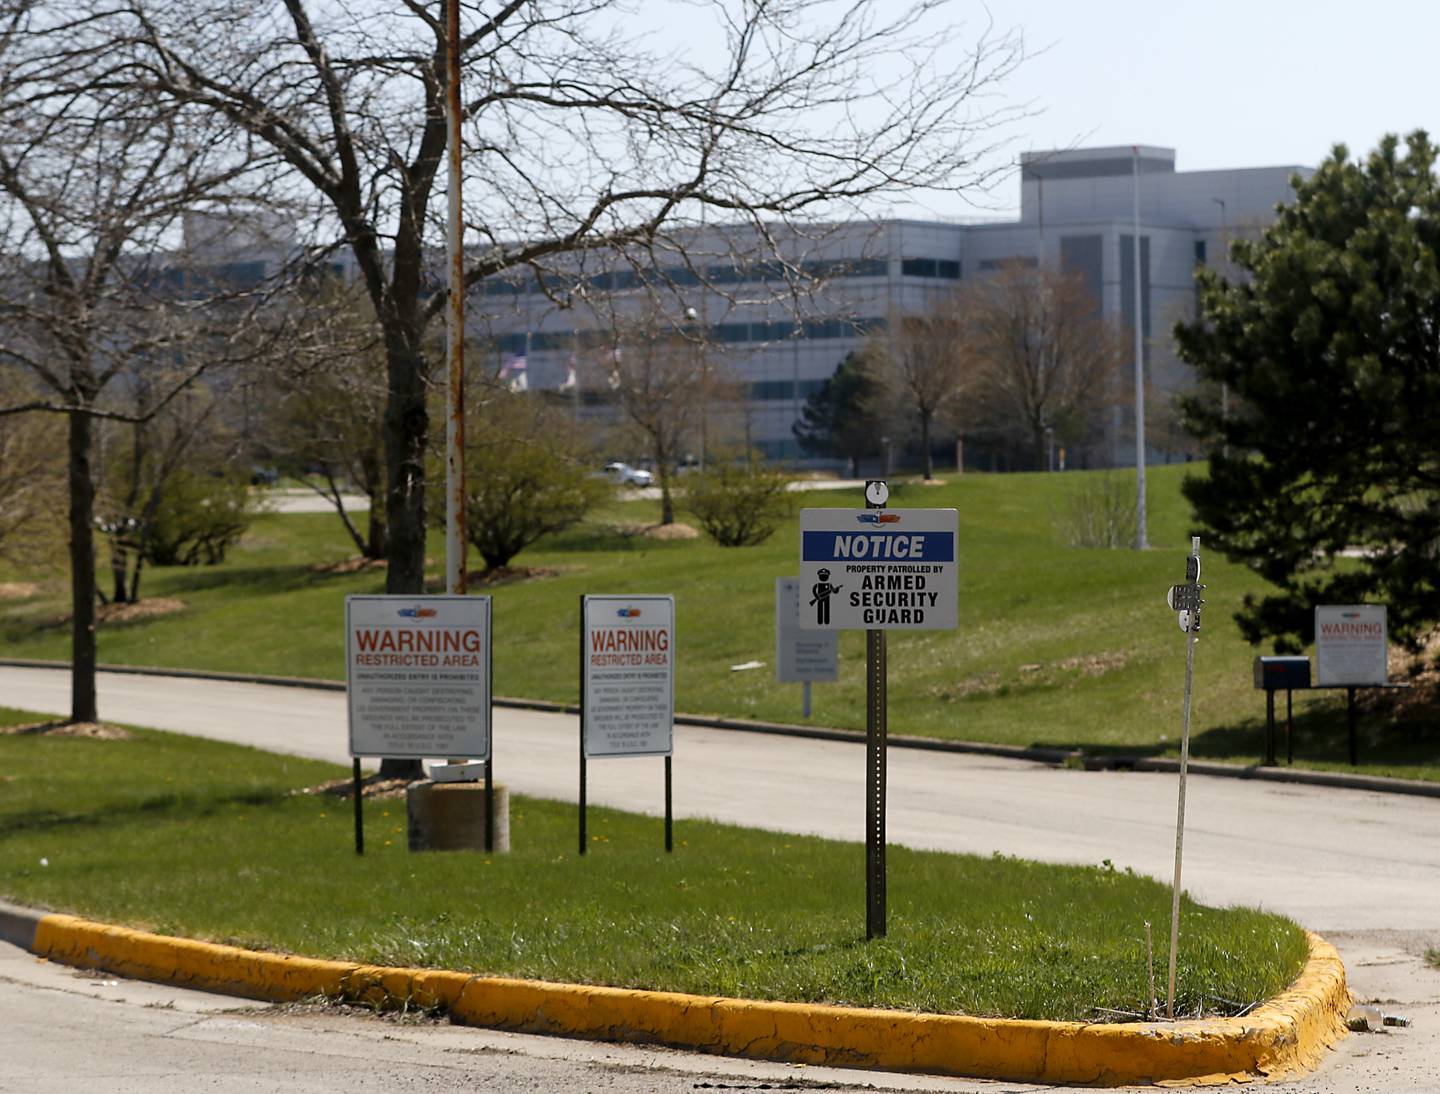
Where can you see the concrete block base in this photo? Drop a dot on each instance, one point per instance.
(450, 816)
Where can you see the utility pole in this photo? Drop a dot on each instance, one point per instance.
(455, 539)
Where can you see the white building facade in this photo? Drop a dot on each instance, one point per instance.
(781, 323)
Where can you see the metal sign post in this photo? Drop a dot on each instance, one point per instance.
(877, 570)
(1184, 600)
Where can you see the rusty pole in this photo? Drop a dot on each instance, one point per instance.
(455, 542)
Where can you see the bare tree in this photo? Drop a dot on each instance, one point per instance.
(1045, 360)
(324, 401)
(662, 384)
(94, 178)
(185, 439)
(584, 131)
(926, 367)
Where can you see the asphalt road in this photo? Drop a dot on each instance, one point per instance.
(1361, 868)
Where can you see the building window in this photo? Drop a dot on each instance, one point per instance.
(1029, 262)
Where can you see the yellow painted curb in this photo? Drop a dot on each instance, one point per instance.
(1289, 1033)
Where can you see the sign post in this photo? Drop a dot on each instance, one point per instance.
(627, 687)
(878, 570)
(418, 673)
(801, 656)
(1184, 600)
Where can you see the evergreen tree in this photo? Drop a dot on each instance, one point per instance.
(1325, 478)
(842, 418)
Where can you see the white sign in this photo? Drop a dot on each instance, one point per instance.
(418, 676)
(628, 654)
(801, 655)
(1351, 645)
(883, 569)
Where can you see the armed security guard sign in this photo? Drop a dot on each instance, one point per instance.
(879, 569)
(418, 675)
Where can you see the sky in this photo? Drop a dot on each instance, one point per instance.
(1224, 83)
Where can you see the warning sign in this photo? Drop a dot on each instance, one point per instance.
(628, 671)
(880, 569)
(418, 676)
(1351, 645)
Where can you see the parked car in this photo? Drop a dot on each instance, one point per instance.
(622, 474)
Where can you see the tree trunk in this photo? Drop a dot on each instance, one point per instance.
(83, 706)
(407, 425)
(119, 567)
(667, 503)
(377, 540)
(927, 458)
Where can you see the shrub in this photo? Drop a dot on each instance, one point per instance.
(198, 518)
(526, 475)
(1099, 511)
(739, 503)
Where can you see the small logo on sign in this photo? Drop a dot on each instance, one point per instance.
(417, 613)
(878, 518)
(1349, 615)
(629, 613)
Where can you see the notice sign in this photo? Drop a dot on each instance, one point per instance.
(627, 658)
(801, 655)
(1351, 645)
(418, 676)
(882, 569)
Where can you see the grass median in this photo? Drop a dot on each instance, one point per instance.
(1057, 646)
(206, 840)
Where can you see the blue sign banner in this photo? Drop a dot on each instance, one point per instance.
(877, 546)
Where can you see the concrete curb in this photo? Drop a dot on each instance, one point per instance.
(17, 925)
(1337, 779)
(1288, 1034)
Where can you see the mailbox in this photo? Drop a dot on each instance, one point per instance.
(1282, 673)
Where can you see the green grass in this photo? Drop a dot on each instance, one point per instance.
(207, 840)
(1056, 646)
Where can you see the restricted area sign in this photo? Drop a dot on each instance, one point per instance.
(1351, 645)
(879, 569)
(628, 672)
(418, 676)
(801, 656)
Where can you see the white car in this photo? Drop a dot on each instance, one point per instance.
(622, 474)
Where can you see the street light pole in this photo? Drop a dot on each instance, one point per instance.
(1141, 539)
(1224, 386)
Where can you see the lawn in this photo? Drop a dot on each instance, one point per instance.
(207, 840)
(1056, 646)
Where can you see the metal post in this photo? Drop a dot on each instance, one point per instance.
(490, 804)
(669, 812)
(1289, 726)
(1350, 717)
(455, 539)
(875, 744)
(1190, 636)
(1269, 725)
(359, 812)
(582, 724)
(1141, 538)
(805, 698)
